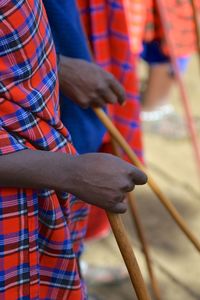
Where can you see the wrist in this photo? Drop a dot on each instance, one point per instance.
(58, 172)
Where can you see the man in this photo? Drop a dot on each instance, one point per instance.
(106, 28)
(98, 88)
(94, 86)
(148, 40)
(41, 226)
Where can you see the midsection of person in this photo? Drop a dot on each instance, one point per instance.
(41, 226)
(29, 120)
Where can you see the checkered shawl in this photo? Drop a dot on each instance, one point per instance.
(106, 28)
(145, 24)
(40, 232)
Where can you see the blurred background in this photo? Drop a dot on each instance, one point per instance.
(171, 162)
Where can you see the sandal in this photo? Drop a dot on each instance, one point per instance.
(98, 275)
(167, 123)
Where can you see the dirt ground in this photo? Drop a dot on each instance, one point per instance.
(176, 262)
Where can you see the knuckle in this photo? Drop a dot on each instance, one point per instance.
(119, 196)
(84, 102)
(131, 172)
(93, 96)
(121, 208)
(112, 98)
(102, 88)
(129, 187)
(111, 78)
(109, 203)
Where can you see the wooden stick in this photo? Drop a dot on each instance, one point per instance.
(186, 104)
(133, 158)
(140, 233)
(128, 256)
(197, 28)
(145, 248)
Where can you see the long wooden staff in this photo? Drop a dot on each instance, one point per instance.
(140, 233)
(128, 256)
(197, 28)
(133, 158)
(144, 244)
(184, 97)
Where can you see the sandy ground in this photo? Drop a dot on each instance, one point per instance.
(176, 262)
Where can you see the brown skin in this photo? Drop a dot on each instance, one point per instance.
(87, 84)
(158, 87)
(99, 179)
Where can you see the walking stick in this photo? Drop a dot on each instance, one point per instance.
(133, 157)
(145, 248)
(140, 234)
(128, 256)
(184, 97)
(197, 29)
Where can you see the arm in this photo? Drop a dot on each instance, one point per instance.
(83, 82)
(99, 179)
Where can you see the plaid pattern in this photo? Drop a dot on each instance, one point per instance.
(106, 28)
(144, 24)
(40, 232)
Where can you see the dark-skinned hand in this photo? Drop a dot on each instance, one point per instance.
(103, 180)
(87, 84)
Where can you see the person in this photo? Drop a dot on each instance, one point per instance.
(41, 176)
(150, 44)
(98, 88)
(106, 29)
(95, 89)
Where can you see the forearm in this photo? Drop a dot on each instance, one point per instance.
(97, 178)
(36, 170)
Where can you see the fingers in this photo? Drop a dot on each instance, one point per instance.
(110, 97)
(98, 102)
(129, 187)
(138, 176)
(119, 207)
(106, 97)
(110, 90)
(117, 89)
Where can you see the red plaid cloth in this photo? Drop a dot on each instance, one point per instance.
(106, 28)
(40, 233)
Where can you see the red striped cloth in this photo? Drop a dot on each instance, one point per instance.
(145, 24)
(106, 29)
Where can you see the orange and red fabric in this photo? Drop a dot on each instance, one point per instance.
(107, 32)
(144, 24)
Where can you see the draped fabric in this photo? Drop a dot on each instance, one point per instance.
(145, 24)
(85, 128)
(106, 28)
(40, 232)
